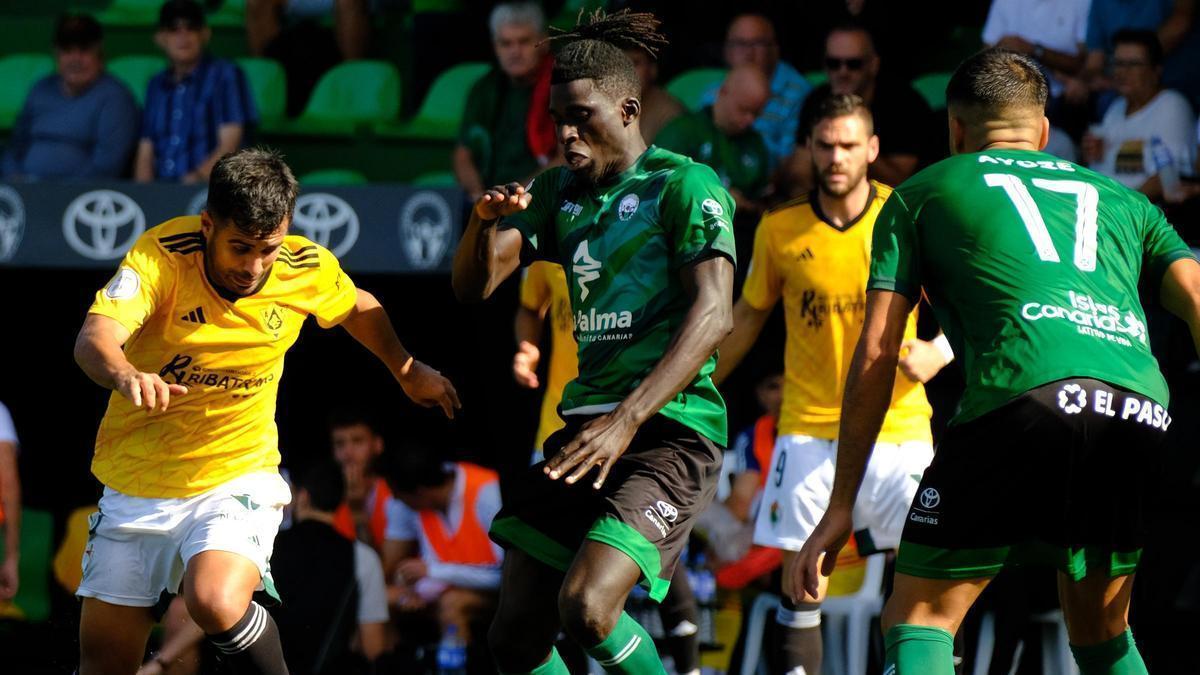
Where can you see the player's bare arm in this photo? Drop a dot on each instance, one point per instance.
(368, 323)
(1181, 294)
(748, 322)
(865, 402)
(98, 352)
(709, 320)
(486, 256)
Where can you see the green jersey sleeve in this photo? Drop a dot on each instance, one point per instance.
(895, 257)
(698, 213)
(1161, 244)
(536, 222)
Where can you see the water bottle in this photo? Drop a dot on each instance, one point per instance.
(1168, 172)
(452, 653)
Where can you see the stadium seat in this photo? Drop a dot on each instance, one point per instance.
(689, 87)
(816, 78)
(19, 72)
(435, 179)
(231, 13)
(1056, 650)
(352, 94)
(268, 84)
(333, 177)
(442, 110)
(130, 13)
(32, 602)
(932, 88)
(136, 71)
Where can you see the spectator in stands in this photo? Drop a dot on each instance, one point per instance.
(507, 134)
(658, 106)
(1172, 21)
(80, 122)
(351, 26)
(723, 136)
(903, 121)
(437, 555)
(1121, 146)
(330, 587)
(1054, 34)
(10, 507)
(357, 446)
(198, 109)
(751, 41)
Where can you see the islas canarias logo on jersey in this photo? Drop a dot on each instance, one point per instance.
(595, 325)
(1105, 321)
(586, 268)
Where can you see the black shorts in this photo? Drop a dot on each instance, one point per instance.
(645, 508)
(1060, 476)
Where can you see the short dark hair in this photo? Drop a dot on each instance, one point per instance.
(340, 418)
(188, 12)
(841, 105)
(325, 485)
(853, 26)
(416, 466)
(1147, 39)
(77, 30)
(594, 50)
(995, 80)
(254, 188)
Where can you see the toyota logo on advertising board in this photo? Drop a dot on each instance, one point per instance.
(103, 224)
(327, 220)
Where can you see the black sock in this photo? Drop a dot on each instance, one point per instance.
(800, 645)
(252, 646)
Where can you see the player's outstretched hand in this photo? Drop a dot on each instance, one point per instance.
(427, 387)
(820, 552)
(525, 363)
(9, 577)
(599, 443)
(148, 390)
(502, 200)
(921, 360)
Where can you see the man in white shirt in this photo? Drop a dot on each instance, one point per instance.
(1121, 147)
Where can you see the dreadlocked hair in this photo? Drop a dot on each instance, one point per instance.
(593, 49)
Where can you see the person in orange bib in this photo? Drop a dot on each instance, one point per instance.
(437, 554)
(357, 446)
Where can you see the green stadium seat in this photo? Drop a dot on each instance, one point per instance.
(268, 85)
(350, 95)
(32, 603)
(19, 72)
(689, 87)
(435, 179)
(333, 177)
(136, 71)
(816, 78)
(932, 88)
(441, 112)
(130, 13)
(231, 14)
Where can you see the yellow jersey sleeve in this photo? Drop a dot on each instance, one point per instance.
(142, 281)
(763, 284)
(535, 286)
(335, 292)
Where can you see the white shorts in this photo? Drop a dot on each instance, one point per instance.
(800, 480)
(140, 546)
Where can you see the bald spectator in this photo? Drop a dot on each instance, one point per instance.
(723, 136)
(80, 122)
(903, 121)
(658, 106)
(751, 41)
(504, 137)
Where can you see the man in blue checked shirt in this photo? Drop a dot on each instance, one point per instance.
(197, 110)
(751, 41)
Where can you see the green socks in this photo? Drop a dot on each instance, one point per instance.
(1118, 656)
(919, 650)
(628, 649)
(553, 666)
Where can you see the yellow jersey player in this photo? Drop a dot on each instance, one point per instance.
(814, 254)
(544, 295)
(190, 335)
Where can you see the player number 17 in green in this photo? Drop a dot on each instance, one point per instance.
(1087, 200)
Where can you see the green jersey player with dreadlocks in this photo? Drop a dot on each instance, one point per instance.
(1032, 266)
(644, 236)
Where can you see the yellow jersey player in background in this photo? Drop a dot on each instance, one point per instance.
(190, 335)
(544, 295)
(814, 252)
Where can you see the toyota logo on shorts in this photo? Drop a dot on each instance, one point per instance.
(930, 498)
(668, 511)
(327, 220)
(12, 222)
(103, 224)
(425, 229)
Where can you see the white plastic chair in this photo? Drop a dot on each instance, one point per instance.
(1056, 649)
(845, 625)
